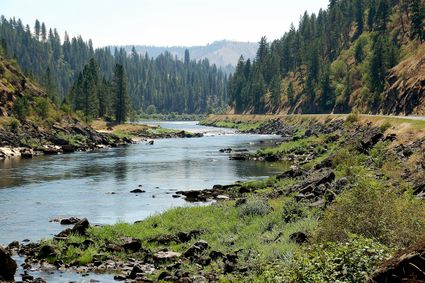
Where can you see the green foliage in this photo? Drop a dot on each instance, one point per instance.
(255, 207)
(385, 126)
(21, 107)
(347, 262)
(352, 118)
(374, 211)
(42, 107)
(293, 211)
(151, 109)
(14, 124)
(121, 96)
(166, 82)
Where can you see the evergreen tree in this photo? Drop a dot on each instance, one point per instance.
(377, 67)
(417, 19)
(37, 29)
(359, 18)
(43, 32)
(186, 57)
(121, 99)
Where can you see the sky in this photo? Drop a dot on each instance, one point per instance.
(163, 22)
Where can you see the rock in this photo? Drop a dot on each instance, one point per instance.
(7, 265)
(203, 245)
(214, 255)
(165, 256)
(27, 153)
(406, 266)
(69, 221)
(163, 275)
(62, 235)
(229, 267)
(135, 272)
(222, 197)
(196, 249)
(68, 148)
(240, 202)
(51, 149)
(137, 191)
(13, 245)
(239, 156)
(291, 173)
(27, 277)
(46, 251)
(132, 245)
(225, 150)
(81, 227)
(114, 248)
(184, 280)
(298, 237)
(121, 277)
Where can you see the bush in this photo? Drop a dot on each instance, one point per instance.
(255, 207)
(293, 211)
(42, 107)
(351, 261)
(352, 118)
(14, 124)
(385, 126)
(151, 109)
(375, 211)
(21, 108)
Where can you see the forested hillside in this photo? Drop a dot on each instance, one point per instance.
(164, 84)
(361, 55)
(223, 53)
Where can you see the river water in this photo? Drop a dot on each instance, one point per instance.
(97, 184)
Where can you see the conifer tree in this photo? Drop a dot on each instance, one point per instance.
(121, 96)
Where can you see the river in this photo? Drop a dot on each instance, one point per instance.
(97, 185)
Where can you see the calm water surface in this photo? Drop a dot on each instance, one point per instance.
(96, 185)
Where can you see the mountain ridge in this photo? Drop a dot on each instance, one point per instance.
(221, 52)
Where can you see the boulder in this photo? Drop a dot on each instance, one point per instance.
(81, 227)
(46, 251)
(69, 221)
(137, 191)
(298, 237)
(406, 266)
(165, 256)
(132, 245)
(7, 265)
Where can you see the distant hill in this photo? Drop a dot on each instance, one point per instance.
(222, 53)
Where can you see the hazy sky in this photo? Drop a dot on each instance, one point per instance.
(163, 22)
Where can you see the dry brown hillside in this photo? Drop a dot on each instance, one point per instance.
(405, 93)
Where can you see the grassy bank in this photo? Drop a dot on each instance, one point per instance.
(344, 207)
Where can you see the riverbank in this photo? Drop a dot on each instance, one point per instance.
(26, 139)
(351, 199)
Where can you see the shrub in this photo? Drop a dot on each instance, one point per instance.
(151, 109)
(14, 124)
(21, 107)
(374, 211)
(293, 211)
(385, 126)
(351, 261)
(42, 107)
(255, 207)
(352, 118)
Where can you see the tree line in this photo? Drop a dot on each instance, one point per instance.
(66, 69)
(316, 68)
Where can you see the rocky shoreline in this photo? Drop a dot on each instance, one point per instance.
(313, 182)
